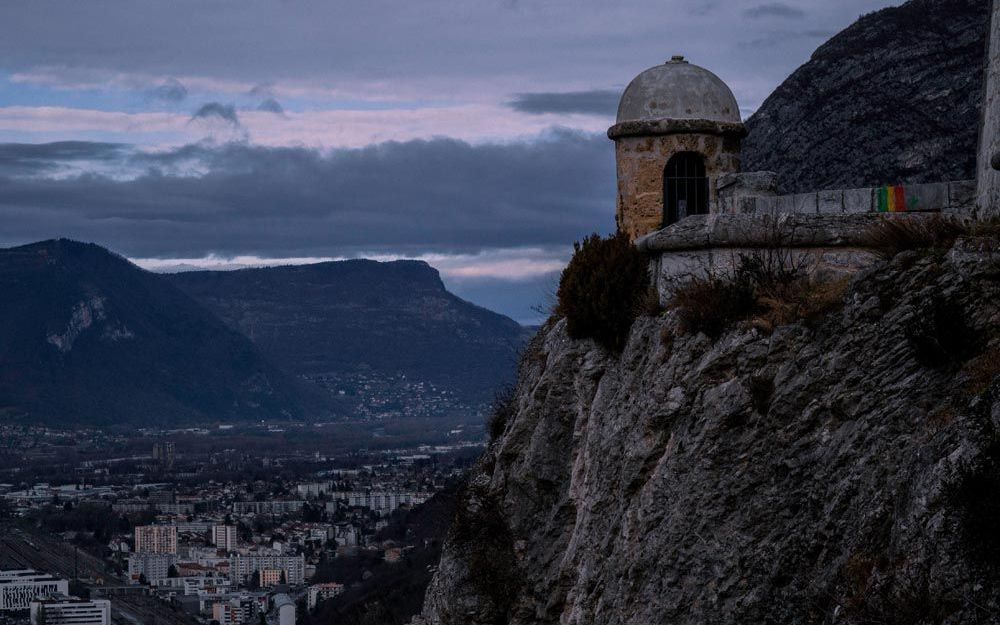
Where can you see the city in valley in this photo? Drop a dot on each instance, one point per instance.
(224, 524)
(640, 312)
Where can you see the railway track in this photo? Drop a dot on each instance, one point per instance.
(30, 550)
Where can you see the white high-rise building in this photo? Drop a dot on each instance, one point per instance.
(63, 610)
(156, 539)
(242, 566)
(19, 587)
(224, 537)
(285, 607)
(152, 566)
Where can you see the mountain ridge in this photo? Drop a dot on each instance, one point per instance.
(349, 318)
(89, 338)
(894, 98)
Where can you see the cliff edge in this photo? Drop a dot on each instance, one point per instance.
(838, 471)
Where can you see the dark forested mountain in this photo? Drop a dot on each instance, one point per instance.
(893, 98)
(88, 338)
(361, 319)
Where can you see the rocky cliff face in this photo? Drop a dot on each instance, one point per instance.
(892, 99)
(838, 472)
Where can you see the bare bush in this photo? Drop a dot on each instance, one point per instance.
(899, 233)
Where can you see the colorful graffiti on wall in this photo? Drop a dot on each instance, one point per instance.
(891, 199)
(916, 197)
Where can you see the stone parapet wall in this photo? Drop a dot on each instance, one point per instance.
(671, 270)
(749, 193)
(767, 230)
(822, 244)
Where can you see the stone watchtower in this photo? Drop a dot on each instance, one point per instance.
(678, 129)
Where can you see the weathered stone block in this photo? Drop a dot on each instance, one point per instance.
(746, 205)
(830, 202)
(800, 203)
(765, 204)
(785, 204)
(859, 200)
(760, 182)
(927, 197)
(962, 195)
(726, 183)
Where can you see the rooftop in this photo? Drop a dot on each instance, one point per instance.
(678, 90)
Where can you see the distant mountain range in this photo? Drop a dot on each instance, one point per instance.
(348, 320)
(88, 338)
(894, 98)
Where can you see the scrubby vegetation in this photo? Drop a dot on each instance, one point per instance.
(383, 593)
(480, 532)
(603, 289)
(982, 370)
(767, 289)
(502, 410)
(712, 304)
(892, 235)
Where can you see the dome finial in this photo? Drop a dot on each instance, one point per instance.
(677, 58)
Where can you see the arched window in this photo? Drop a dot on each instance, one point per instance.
(685, 187)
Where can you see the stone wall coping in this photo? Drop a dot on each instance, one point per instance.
(788, 230)
(751, 192)
(646, 128)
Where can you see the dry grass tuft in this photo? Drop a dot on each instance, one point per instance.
(800, 300)
(768, 294)
(982, 370)
(710, 305)
(894, 234)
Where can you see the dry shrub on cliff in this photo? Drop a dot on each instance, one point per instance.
(712, 304)
(768, 288)
(481, 537)
(898, 233)
(982, 370)
(502, 410)
(801, 299)
(602, 288)
(986, 228)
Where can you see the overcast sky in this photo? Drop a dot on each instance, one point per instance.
(469, 133)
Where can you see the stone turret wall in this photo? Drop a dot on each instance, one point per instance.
(641, 163)
(988, 191)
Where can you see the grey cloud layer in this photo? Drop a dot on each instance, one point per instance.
(433, 45)
(422, 196)
(216, 110)
(172, 90)
(271, 106)
(595, 102)
(775, 9)
(34, 159)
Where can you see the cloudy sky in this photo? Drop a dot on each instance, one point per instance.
(468, 133)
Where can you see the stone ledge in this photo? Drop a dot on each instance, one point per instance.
(676, 127)
(789, 230)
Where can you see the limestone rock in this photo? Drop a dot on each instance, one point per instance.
(895, 98)
(813, 475)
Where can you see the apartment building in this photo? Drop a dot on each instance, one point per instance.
(156, 539)
(62, 610)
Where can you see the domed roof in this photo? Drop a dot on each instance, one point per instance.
(678, 90)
